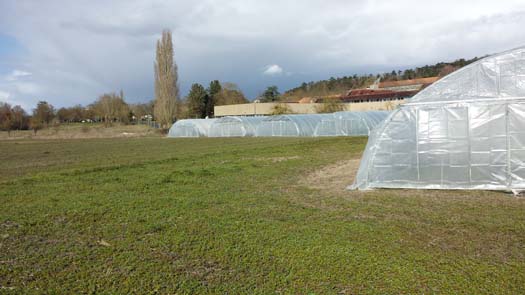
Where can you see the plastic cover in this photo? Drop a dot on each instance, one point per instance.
(466, 131)
(336, 124)
(358, 123)
(191, 128)
(234, 126)
(292, 125)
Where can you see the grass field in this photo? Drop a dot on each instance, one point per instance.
(240, 216)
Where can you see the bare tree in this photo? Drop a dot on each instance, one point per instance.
(43, 114)
(112, 107)
(166, 86)
(6, 117)
(20, 118)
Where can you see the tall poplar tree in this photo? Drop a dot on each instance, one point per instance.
(166, 86)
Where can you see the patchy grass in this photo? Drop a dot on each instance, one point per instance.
(251, 216)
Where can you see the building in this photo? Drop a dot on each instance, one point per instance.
(384, 97)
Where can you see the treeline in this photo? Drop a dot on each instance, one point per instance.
(109, 108)
(200, 102)
(334, 86)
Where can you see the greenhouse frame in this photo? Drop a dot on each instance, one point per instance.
(358, 123)
(191, 128)
(291, 125)
(466, 131)
(232, 126)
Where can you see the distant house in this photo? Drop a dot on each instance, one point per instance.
(387, 91)
(380, 96)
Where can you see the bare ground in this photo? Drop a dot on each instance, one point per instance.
(333, 178)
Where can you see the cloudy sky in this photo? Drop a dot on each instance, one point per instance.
(69, 52)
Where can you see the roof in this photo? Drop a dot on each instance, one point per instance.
(371, 95)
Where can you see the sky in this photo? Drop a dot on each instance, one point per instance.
(70, 52)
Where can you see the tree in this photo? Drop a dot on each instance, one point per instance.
(20, 120)
(446, 70)
(142, 111)
(111, 107)
(213, 93)
(330, 106)
(197, 99)
(229, 94)
(270, 94)
(166, 87)
(64, 115)
(281, 109)
(43, 114)
(6, 118)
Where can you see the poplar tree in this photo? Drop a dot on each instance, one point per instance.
(166, 86)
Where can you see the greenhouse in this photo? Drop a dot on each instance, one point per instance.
(356, 123)
(234, 126)
(466, 131)
(294, 125)
(191, 128)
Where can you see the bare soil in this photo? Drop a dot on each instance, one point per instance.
(333, 178)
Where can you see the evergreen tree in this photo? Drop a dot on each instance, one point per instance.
(213, 92)
(197, 99)
(270, 94)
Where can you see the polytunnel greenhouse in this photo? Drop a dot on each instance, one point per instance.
(234, 126)
(355, 123)
(466, 131)
(293, 125)
(191, 128)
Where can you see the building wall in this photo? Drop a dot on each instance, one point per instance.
(254, 109)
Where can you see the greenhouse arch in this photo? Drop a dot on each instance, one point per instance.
(466, 131)
(233, 126)
(358, 123)
(191, 128)
(291, 125)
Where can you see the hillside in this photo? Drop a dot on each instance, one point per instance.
(335, 86)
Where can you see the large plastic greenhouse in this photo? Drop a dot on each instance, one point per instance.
(336, 124)
(292, 125)
(466, 131)
(191, 128)
(234, 126)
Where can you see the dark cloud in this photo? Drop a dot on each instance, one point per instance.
(76, 50)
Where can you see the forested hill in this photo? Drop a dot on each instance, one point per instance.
(335, 86)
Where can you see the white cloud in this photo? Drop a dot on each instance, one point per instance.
(4, 96)
(16, 75)
(273, 70)
(76, 50)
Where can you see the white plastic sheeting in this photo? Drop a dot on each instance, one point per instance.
(191, 128)
(357, 123)
(466, 131)
(336, 124)
(292, 125)
(234, 127)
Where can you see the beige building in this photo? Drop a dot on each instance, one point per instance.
(259, 109)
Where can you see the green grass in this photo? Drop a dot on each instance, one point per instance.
(208, 216)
